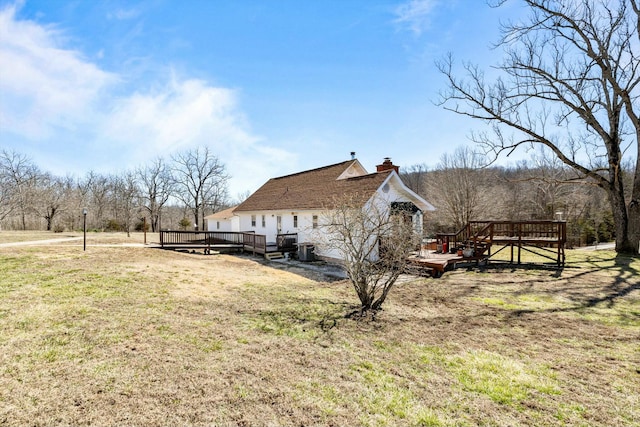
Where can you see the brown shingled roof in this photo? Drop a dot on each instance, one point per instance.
(225, 214)
(312, 189)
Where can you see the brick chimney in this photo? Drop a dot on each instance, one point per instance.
(387, 165)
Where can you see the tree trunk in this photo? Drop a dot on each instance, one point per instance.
(621, 220)
(362, 289)
(634, 210)
(49, 218)
(195, 218)
(634, 226)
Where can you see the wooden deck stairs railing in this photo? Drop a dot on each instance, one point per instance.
(475, 236)
(543, 238)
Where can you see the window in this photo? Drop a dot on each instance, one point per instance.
(253, 220)
(315, 221)
(295, 221)
(264, 221)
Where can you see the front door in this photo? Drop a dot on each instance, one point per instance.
(279, 224)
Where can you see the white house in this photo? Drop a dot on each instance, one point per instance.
(295, 203)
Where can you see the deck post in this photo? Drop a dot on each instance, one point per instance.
(519, 241)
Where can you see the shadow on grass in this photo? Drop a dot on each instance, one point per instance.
(306, 318)
(574, 282)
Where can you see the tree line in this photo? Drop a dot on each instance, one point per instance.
(165, 193)
(180, 191)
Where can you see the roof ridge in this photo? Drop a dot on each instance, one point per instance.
(315, 169)
(369, 175)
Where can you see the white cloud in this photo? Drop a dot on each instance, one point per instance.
(187, 113)
(43, 85)
(415, 15)
(177, 115)
(78, 114)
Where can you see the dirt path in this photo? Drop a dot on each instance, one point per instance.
(39, 242)
(50, 242)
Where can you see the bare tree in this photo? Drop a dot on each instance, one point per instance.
(373, 240)
(547, 184)
(52, 194)
(571, 82)
(6, 193)
(457, 187)
(156, 186)
(414, 177)
(99, 196)
(20, 174)
(512, 198)
(216, 198)
(126, 195)
(199, 177)
(241, 197)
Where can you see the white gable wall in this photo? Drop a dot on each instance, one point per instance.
(391, 192)
(223, 224)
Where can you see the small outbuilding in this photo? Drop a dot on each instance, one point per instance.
(224, 220)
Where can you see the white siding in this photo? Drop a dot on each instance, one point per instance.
(229, 224)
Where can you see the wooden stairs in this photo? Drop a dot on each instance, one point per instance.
(273, 255)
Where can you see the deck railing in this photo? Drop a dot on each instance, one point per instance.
(555, 231)
(255, 242)
(248, 240)
(168, 238)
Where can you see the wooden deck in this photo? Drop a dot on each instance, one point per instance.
(544, 238)
(436, 263)
(227, 241)
(485, 239)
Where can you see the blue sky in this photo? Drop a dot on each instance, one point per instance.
(272, 87)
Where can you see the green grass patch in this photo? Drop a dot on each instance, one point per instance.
(504, 380)
(625, 313)
(384, 397)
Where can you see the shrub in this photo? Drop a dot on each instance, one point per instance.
(142, 226)
(185, 223)
(114, 225)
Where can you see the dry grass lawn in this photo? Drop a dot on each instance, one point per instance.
(122, 335)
